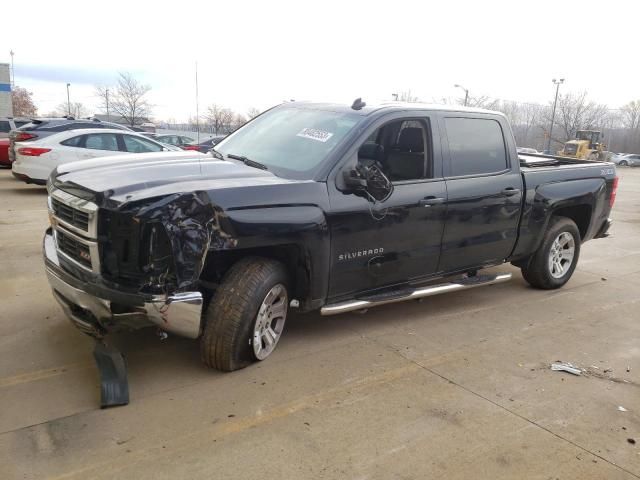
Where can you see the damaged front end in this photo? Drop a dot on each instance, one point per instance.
(127, 266)
(133, 265)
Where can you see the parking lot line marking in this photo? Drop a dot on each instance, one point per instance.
(241, 424)
(41, 374)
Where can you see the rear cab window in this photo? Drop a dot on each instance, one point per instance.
(476, 146)
(5, 126)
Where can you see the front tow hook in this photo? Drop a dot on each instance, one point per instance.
(114, 386)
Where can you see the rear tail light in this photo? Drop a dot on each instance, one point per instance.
(22, 136)
(33, 151)
(614, 191)
(190, 147)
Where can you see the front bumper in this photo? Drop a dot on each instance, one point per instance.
(97, 310)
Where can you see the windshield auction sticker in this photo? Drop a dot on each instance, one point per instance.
(315, 134)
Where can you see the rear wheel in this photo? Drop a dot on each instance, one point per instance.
(246, 316)
(553, 264)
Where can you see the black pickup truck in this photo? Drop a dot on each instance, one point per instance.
(313, 207)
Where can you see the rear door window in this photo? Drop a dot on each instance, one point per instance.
(139, 145)
(73, 141)
(102, 141)
(476, 146)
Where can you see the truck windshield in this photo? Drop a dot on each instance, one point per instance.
(289, 140)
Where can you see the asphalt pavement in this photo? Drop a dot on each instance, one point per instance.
(457, 386)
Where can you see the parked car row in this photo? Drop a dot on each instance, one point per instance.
(35, 147)
(188, 143)
(10, 123)
(36, 159)
(626, 159)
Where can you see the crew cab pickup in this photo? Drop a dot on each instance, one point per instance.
(313, 207)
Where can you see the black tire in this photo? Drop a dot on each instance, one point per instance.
(623, 163)
(226, 343)
(538, 272)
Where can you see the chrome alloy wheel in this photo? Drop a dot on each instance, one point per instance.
(270, 321)
(561, 254)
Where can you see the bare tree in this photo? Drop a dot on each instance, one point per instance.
(238, 121)
(104, 94)
(575, 112)
(525, 120)
(219, 118)
(482, 101)
(23, 105)
(631, 114)
(253, 112)
(76, 109)
(127, 99)
(407, 96)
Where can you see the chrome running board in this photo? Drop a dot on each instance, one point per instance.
(453, 286)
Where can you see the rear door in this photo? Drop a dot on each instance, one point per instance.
(484, 188)
(99, 145)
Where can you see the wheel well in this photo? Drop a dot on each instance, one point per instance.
(219, 262)
(580, 214)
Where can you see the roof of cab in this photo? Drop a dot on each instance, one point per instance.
(388, 106)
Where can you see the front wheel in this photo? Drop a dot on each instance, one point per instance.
(246, 316)
(623, 163)
(552, 265)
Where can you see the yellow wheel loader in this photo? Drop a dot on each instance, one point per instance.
(586, 146)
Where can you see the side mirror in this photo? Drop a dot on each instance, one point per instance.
(370, 180)
(354, 180)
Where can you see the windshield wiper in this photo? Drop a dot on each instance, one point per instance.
(247, 161)
(216, 154)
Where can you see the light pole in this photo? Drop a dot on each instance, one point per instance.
(466, 93)
(68, 100)
(13, 72)
(557, 83)
(107, 100)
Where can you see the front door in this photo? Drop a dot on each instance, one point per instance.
(381, 243)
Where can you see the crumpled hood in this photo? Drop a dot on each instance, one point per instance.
(135, 177)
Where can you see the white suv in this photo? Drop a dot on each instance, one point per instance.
(9, 123)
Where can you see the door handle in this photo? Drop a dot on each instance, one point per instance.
(429, 201)
(510, 191)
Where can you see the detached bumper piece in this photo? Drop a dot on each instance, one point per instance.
(114, 387)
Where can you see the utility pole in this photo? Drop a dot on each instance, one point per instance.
(557, 83)
(68, 100)
(13, 72)
(197, 108)
(466, 93)
(107, 101)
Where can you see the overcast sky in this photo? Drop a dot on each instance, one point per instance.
(259, 53)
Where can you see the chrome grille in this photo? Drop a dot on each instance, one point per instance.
(74, 223)
(73, 248)
(70, 215)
